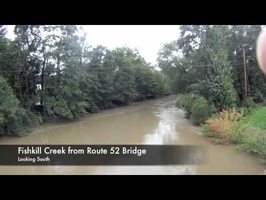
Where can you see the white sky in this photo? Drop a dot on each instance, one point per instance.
(148, 39)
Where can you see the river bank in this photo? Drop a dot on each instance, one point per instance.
(150, 122)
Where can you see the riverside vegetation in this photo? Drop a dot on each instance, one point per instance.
(206, 68)
(50, 72)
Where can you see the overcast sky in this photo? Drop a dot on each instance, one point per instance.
(148, 39)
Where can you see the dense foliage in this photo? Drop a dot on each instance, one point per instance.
(51, 72)
(186, 102)
(205, 66)
(200, 111)
(208, 60)
(196, 107)
(231, 126)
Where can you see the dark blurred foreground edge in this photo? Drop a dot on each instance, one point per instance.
(197, 183)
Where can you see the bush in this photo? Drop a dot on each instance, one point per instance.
(196, 107)
(224, 126)
(206, 131)
(254, 142)
(237, 135)
(245, 111)
(212, 109)
(219, 128)
(14, 120)
(185, 102)
(250, 103)
(248, 111)
(258, 97)
(200, 111)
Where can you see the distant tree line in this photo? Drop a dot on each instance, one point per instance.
(50, 72)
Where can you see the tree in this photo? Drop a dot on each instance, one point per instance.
(63, 96)
(52, 72)
(26, 46)
(14, 120)
(219, 83)
(204, 68)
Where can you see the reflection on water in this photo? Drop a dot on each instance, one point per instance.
(164, 134)
(150, 122)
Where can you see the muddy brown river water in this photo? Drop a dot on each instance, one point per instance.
(151, 122)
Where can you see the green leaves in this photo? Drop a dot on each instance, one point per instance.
(204, 67)
(197, 108)
(200, 111)
(53, 69)
(13, 119)
(254, 142)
